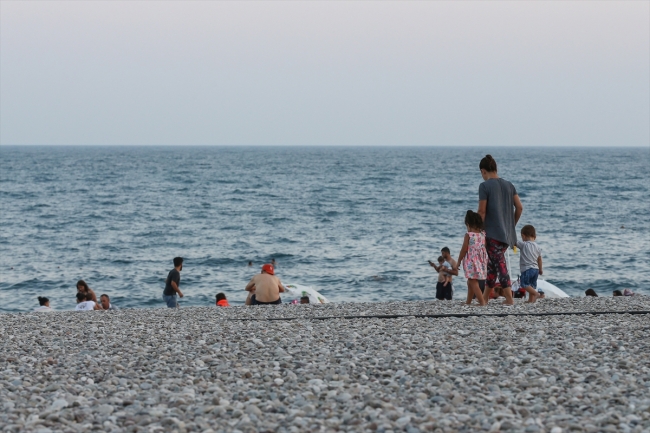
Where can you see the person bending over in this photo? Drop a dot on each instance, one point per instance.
(530, 262)
(264, 288)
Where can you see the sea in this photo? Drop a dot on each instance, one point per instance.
(356, 223)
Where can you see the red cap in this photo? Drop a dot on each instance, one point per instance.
(268, 268)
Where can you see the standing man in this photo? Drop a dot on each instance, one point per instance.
(500, 208)
(172, 283)
(447, 292)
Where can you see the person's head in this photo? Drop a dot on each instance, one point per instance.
(618, 293)
(250, 263)
(82, 286)
(487, 166)
(81, 297)
(43, 301)
(441, 260)
(178, 263)
(105, 301)
(528, 233)
(446, 253)
(304, 300)
(591, 292)
(473, 220)
(268, 269)
(221, 297)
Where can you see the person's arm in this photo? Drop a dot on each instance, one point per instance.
(98, 306)
(539, 264)
(482, 208)
(176, 289)
(251, 285)
(462, 253)
(92, 293)
(519, 208)
(437, 268)
(452, 271)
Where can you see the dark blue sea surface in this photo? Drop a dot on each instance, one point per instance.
(358, 224)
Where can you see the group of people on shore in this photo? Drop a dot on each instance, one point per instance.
(490, 232)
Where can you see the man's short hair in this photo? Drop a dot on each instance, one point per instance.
(104, 294)
(178, 261)
(445, 250)
(81, 296)
(221, 296)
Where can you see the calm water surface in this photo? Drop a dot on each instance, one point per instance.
(359, 224)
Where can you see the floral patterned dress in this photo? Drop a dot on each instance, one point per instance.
(475, 262)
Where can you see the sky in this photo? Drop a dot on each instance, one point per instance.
(459, 73)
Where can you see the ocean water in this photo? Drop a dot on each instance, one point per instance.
(358, 224)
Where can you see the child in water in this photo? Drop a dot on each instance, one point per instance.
(474, 256)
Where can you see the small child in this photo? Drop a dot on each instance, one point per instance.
(222, 301)
(474, 256)
(530, 262)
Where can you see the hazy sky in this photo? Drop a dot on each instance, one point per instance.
(319, 73)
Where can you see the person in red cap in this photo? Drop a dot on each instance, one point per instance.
(264, 288)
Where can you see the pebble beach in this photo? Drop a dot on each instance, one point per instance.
(334, 367)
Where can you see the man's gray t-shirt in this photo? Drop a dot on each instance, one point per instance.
(174, 276)
(500, 213)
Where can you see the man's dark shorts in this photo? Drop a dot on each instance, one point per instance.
(443, 292)
(254, 301)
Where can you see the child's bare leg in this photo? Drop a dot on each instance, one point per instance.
(507, 292)
(473, 289)
(487, 293)
(532, 294)
(470, 294)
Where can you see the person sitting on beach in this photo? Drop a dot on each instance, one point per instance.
(221, 300)
(304, 299)
(171, 284)
(85, 303)
(473, 256)
(83, 288)
(530, 262)
(264, 288)
(44, 305)
(618, 293)
(591, 292)
(105, 302)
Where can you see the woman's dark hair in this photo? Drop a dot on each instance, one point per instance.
(618, 293)
(473, 220)
(220, 296)
(591, 292)
(83, 284)
(81, 296)
(43, 300)
(488, 164)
